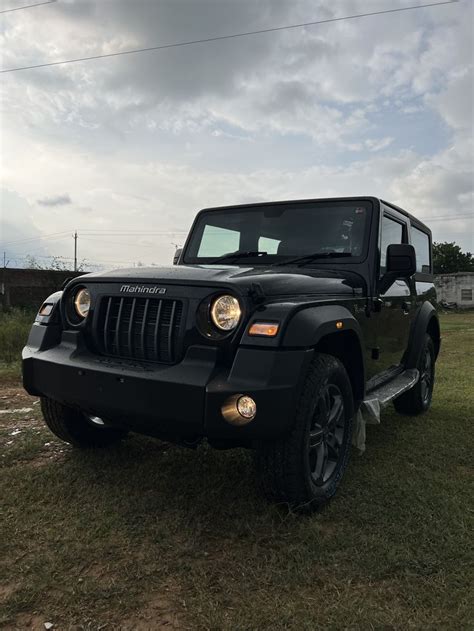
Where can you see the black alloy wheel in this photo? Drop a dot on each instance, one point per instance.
(326, 434)
(303, 468)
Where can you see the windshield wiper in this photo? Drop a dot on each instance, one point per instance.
(312, 257)
(238, 254)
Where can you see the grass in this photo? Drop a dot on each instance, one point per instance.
(15, 324)
(148, 535)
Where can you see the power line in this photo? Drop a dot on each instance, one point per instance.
(53, 235)
(28, 6)
(231, 36)
(135, 233)
(102, 234)
(109, 242)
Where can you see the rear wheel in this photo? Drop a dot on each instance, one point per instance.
(418, 399)
(76, 427)
(305, 467)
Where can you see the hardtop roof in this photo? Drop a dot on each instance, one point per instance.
(371, 198)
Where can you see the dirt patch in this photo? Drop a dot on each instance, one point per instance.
(28, 621)
(18, 410)
(6, 591)
(44, 460)
(162, 610)
(14, 397)
(17, 421)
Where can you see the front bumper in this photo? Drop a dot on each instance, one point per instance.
(178, 402)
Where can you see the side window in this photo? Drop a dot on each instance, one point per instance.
(270, 246)
(421, 242)
(218, 241)
(392, 232)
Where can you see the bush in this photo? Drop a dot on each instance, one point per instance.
(15, 325)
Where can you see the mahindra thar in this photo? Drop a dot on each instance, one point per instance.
(276, 327)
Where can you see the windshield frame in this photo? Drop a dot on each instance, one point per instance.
(271, 259)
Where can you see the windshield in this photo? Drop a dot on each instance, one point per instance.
(269, 234)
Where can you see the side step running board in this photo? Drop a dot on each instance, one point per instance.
(385, 394)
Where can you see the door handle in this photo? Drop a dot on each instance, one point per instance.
(406, 306)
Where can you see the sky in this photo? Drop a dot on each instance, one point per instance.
(126, 150)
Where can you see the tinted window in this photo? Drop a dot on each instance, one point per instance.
(392, 232)
(282, 231)
(421, 243)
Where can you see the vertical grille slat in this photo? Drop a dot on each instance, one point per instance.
(157, 328)
(105, 336)
(129, 351)
(139, 328)
(117, 326)
(170, 332)
(143, 329)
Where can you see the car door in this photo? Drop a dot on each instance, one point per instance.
(396, 306)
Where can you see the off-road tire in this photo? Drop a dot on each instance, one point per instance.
(415, 401)
(72, 426)
(283, 465)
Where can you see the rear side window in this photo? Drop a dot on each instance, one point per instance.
(392, 232)
(218, 241)
(270, 246)
(421, 242)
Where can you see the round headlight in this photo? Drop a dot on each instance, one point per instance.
(225, 313)
(82, 302)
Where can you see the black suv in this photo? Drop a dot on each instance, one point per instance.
(277, 327)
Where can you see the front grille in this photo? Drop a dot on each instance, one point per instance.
(140, 328)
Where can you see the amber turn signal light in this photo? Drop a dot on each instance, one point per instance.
(45, 309)
(265, 329)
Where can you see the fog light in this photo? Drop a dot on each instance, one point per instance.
(247, 407)
(239, 409)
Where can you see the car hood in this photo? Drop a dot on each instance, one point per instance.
(273, 281)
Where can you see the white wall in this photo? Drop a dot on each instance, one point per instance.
(449, 287)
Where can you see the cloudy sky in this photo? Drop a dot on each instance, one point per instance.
(127, 149)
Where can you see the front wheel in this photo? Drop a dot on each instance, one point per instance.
(305, 467)
(76, 427)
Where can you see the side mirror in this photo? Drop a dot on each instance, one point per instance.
(177, 256)
(401, 263)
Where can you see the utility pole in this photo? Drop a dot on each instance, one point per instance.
(75, 251)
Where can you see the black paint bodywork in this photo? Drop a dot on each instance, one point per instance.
(378, 337)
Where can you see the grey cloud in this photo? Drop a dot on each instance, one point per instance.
(56, 200)
(283, 76)
(114, 129)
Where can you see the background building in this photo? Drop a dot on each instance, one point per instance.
(458, 288)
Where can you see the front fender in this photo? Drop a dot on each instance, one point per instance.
(301, 325)
(46, 330)
(326, 328)
(310, 325)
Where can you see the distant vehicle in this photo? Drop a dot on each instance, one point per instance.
(278, 322)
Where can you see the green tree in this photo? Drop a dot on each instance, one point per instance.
(448, 258)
